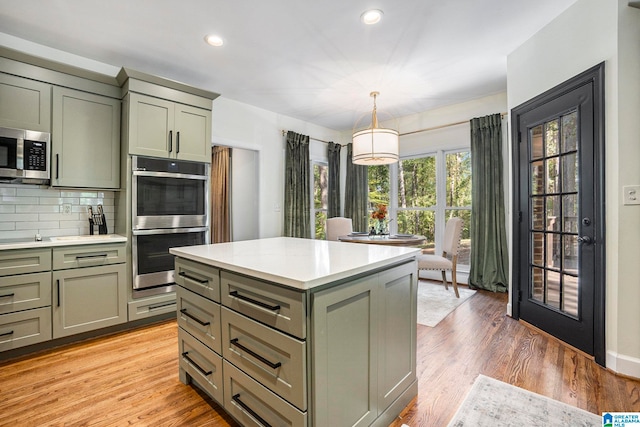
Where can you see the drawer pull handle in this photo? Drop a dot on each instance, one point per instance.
(91, 256)
(6, 334)
(253, 301)
(192, 317)
(195, 365)
(58, 292)
(162, 305)
(7, 295)
(254, 354)
(236, 398)
(195, 279)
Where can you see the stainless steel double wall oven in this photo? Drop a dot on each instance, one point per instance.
(170, 208)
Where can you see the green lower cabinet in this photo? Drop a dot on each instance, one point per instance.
(85, 299)
(364, 336)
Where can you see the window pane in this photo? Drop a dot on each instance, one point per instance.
(464, 252)
(570, 132)
(458, 179)
(320, 186)
(536, 143)
(417, 182)
(320, 224)
(418, 222)
(378, 186)
(551, 137)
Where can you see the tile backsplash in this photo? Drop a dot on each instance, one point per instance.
(27, 210)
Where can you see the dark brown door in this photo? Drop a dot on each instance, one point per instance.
(559, 201)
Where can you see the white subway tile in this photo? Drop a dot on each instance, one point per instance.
(11, 200)
(20, 234)
(37, 208)
(18, 217)
(7, 191)
(37, 225)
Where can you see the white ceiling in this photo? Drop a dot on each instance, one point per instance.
(312, 60)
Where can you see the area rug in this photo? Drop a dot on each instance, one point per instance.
(492, 403)
(435, 302)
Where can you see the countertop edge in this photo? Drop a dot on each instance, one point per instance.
(293, 283)
(46, 243)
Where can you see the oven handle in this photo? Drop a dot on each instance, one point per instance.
(169, 175)
(169, 231)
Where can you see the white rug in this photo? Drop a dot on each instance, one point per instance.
(492, 403)
(435, 302)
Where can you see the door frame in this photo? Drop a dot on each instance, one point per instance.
(595, 76)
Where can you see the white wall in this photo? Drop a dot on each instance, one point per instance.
(590, 32)
(244, 194)
(241, 125)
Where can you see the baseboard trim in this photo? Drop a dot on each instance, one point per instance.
(623, 365)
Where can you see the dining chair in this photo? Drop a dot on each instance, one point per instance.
(452, 236)
(338, 226)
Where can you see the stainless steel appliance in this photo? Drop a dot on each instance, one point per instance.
(170, 205)
(24, 156)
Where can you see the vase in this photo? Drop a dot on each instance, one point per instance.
(380, 227)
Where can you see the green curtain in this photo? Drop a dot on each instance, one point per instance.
(489, 257)
(356, 193)
(297, 197)
(333, 204)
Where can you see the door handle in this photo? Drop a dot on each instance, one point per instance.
(586, 240)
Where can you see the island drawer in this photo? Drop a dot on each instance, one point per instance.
(274, 359)
(200, 317)
(199, 278)
(88, 255)
(25, 328)
(251, 404)
(20, 261)
(200, 363)
(25, 291)
(275, 306)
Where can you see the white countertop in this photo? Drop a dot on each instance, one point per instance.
(298, 263)
(48, 242)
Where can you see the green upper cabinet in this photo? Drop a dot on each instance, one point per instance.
(25, 103)
(85, 140)
(161, 128)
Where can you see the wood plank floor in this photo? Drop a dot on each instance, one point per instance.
(131, 378)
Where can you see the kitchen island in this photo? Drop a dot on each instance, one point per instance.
(299, 332)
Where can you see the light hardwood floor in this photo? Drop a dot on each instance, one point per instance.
(131, 378)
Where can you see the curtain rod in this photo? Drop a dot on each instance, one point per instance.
(442, 126)
(284, 132)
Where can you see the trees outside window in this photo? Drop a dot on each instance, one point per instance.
(425, 192)
(320, 197)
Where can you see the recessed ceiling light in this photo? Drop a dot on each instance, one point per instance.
(371, 17)
(214, 40)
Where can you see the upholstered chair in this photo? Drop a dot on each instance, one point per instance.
(448, 260)
(338, 226)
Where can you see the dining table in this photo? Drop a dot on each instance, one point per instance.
(385, 239)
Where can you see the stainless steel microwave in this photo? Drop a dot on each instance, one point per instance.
(25, 156)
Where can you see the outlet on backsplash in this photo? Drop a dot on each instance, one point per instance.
(66, 209)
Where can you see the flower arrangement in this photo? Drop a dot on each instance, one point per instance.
(380, 212)
(379, 215)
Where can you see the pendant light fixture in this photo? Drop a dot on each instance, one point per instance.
(375, 145)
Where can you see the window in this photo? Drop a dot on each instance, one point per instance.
(458, 197)
(416, 209)
(379, 188)
(320, 188)
(426, 192)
